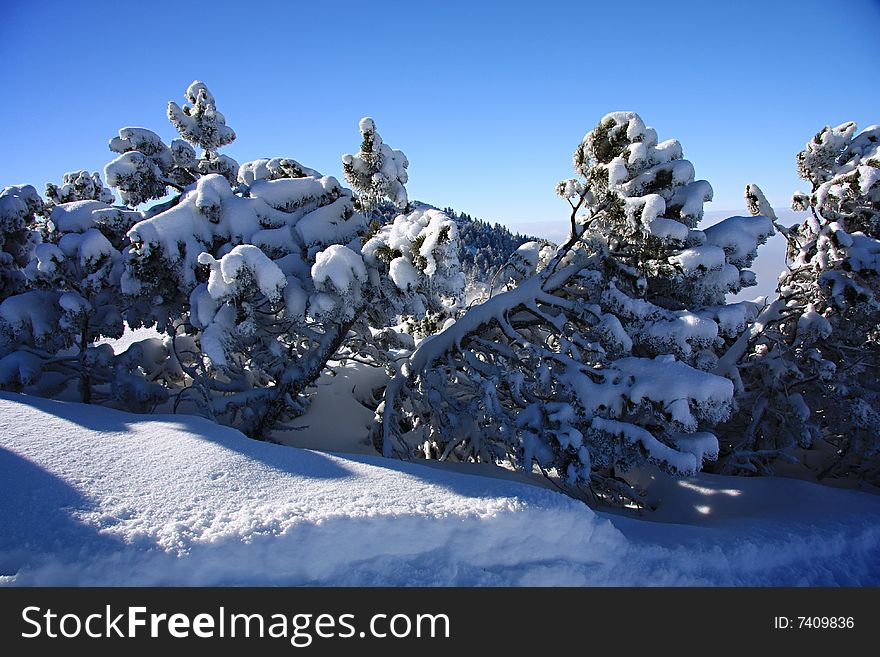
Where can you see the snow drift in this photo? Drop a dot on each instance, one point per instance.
(94, 496)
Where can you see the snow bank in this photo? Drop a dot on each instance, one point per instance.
(130, 337)
(94, 496)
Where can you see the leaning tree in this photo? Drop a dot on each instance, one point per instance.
(596, 361)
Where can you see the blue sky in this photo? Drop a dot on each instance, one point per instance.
(488, 99)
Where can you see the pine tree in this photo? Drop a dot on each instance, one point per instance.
(592, 364)
(376, 172)
(255, 279)
(254, 274)
(419, 280)
(19, 205)
(71, 297)
(811, 365)
(146, 167)
(264, 278)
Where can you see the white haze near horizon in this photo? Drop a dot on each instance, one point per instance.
(767, 266)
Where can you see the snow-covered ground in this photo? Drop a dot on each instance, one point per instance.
(336, 420)
(129, 337)
(96, 496)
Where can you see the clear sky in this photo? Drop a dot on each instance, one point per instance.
(487, 99)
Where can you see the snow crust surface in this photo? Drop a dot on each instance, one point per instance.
(96, 496)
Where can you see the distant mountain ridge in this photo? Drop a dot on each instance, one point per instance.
(485, 247)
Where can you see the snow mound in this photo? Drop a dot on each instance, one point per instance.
(95, 496)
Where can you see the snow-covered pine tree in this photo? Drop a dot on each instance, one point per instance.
(376, 172)
(650, 230)
(146, 167)
(200, 124)
(417, 277)
(268, 278)
(255, 275)
(591, 365)
(811, 365)
(78, 186)
(19, 205)
(72, 298)
(412, 252)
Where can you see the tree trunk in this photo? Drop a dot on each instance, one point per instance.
(311, 370)
(85, 379)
